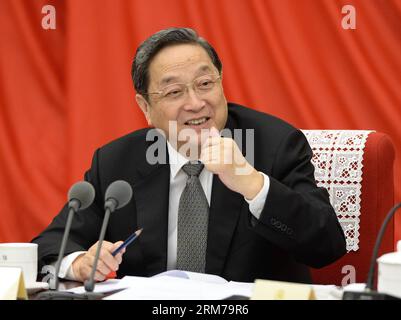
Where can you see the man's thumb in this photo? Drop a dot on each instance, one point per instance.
(214, 132)
(117, 244)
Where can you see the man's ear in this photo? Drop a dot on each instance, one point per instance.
(144, 105)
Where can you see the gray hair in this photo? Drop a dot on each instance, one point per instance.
(161, 39)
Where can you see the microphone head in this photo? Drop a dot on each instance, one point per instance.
(119, 191)
(83, 192)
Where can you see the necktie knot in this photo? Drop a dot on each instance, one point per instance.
(193, 169)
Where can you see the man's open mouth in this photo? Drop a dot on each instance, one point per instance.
(197, 122)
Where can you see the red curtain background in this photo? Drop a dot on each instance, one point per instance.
(64, 92)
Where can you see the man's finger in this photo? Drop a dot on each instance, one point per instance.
(208, 134)
(118, 256)
(215, 154)
(99, 276)
(105, 244)
(214, 132)
(108, 259)
(102, 268)
(211, 141)
(108, 245)
(86, 269)
(116, 245)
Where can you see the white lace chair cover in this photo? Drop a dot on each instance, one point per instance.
(337, 157)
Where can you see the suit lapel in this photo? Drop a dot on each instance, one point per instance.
(151, 194)
(224, 212)
(225, 208)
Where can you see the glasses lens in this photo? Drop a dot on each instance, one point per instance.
(177, 90)
(205, 83)
(173, 91)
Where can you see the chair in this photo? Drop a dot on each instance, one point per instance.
(336, 157)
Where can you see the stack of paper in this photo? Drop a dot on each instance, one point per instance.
(184, 285)
(171, 285)
(172, 288)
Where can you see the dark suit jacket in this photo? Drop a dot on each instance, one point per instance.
(297, 227)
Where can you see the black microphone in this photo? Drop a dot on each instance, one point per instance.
(118, 194)
(80, 196)
(369, 293)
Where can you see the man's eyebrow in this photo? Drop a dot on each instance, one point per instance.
(168, 79)
(174, 79)
(205, 68)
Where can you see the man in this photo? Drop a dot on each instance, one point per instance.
(237, 219)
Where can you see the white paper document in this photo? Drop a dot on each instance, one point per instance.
(102, 287)
(172, 288)
(211, 278)
(184, 285)
(171, 285)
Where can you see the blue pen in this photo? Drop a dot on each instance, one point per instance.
(131, 238)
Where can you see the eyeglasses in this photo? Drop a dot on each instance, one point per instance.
(176, 91)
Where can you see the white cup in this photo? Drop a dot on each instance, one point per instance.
(22, 255)
(389, 275)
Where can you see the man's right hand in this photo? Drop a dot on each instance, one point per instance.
(82, 265)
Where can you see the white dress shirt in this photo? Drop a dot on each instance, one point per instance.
(177, 185)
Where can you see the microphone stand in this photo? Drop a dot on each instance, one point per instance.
(54, 285)
(369, 293)
(90, 283)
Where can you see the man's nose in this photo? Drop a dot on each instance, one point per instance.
(194, 102)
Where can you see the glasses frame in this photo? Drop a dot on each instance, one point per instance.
(187, 86)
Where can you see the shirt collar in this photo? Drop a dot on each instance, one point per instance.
(176, 159)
